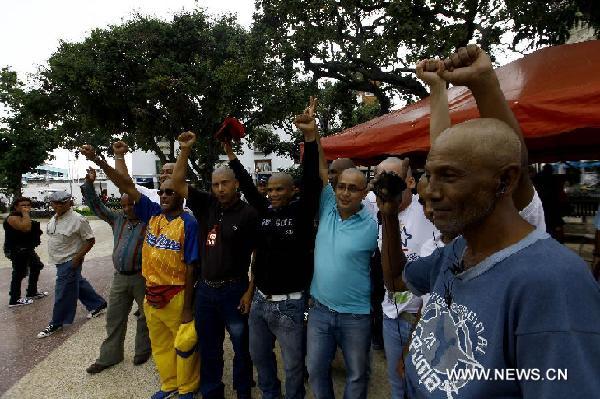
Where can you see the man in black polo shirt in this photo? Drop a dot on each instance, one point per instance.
(282, 268)
(223, 292)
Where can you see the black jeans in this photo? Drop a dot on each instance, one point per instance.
(24, 261)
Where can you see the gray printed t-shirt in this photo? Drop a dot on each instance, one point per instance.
(533, 305)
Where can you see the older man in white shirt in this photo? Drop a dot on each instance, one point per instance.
(70, 238)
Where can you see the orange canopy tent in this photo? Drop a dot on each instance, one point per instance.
(554, 93)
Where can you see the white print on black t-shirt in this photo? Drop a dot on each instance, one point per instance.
(211, 238)
(280, 222)
(444, 341)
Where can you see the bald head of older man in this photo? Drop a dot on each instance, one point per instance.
(337, 167)
(473, 169)
(400, 167)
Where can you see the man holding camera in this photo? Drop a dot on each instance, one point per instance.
(401, 307)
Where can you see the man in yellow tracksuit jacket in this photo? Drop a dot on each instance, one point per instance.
(169, 252)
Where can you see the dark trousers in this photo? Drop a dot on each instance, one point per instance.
(24, 261)
(216, 309)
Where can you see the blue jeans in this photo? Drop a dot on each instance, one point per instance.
(283, 321)
(352, 332)
(70, 286)
(396, 333)
(216, 309)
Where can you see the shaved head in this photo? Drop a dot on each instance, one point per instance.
(283, 178)
(280, 189)
(394, 164)
(473, 169)
(342, 164)
(337, 167)
(360, 176)
(480, 142)
(224, 171)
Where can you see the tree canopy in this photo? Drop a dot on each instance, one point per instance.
(26, 139)
(148, 80)
(373, 45)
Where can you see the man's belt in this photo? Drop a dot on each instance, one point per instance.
(282, 297)
(129, 273)
(221, 283)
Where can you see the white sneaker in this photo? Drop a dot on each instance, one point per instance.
(21, 302)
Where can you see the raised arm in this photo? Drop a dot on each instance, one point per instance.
(247, 186)
(392, 255)
(93, 200)
(123, 182)
(22, 223)
(186, 142)
(470, 66)
(427, 71)
(312, 179)
(120, 148)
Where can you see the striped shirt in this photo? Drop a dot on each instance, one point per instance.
(128, 237)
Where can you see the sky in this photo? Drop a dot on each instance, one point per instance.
(30, 31)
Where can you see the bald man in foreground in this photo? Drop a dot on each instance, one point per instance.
(223, 290)
(341, 287)
(282, 265)
(506, 299)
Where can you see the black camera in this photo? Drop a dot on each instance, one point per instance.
(389, 186)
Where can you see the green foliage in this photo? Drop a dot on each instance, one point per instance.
(26, 139)
(372, 45)
(147, 80)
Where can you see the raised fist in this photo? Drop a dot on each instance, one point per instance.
(468, 66)
(88, 151)
(90, 176)
(186, 139)
(120, 148)
(429, 72)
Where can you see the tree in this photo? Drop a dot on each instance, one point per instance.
(372, 45)
(26, 138)
(148, 80)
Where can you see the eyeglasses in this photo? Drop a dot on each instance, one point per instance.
(169, 192)
(352, 188)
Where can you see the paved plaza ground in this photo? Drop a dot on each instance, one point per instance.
(54, 367)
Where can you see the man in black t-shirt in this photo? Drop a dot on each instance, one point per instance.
(283, 264)
(223, 291)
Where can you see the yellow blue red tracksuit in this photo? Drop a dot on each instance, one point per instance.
(169, 246)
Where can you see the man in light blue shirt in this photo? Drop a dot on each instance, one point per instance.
(341, 287)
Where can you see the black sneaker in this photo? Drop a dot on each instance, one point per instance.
(39, 295)
(97, 312)
(48, 331)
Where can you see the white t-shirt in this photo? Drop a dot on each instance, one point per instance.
(153, 196)
(533, 213)
(415, 230)
(151, 193)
